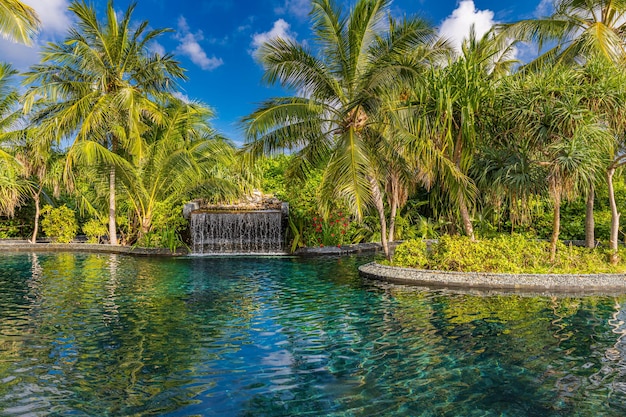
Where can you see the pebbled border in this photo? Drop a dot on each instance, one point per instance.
(588, 284)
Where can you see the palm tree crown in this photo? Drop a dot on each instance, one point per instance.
(18, 22)
(580, 28)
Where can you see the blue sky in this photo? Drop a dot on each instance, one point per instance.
(215, 39)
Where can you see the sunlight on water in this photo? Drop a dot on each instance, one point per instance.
(97, 335)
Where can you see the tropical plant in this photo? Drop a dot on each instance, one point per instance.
(18, 22)
(579, 32)
(441, 120)
(331, 121)
(98, 86)
(13, 186)
(94, 229)
(59, 223)
(556, 130)
(576, 30)
(42, 167)
(183, 156)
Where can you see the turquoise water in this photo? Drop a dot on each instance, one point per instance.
(110, 335)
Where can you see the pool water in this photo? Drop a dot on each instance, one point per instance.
(112, 335)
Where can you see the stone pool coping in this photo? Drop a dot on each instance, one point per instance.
(19, 246)
(25, 246)
(592, 284)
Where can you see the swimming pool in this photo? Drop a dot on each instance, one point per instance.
(97, 335)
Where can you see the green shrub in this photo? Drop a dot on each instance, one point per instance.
(94, 229)
(166, 237)
(504, 254)
(412, 253)
(59, 223)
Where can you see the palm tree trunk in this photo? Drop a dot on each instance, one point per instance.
(33, 239)
(615, 215)
(393, 204)
(590, 239)
(112, 225)
(466, 219)
(556, 226)
(380, 208)
(146, 224)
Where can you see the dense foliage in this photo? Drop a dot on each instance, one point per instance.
(502, 254)
(385, 132)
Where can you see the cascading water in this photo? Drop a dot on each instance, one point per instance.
(227, 232)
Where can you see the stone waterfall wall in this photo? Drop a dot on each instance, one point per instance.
(238, 232)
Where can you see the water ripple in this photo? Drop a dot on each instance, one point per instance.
(111, 335)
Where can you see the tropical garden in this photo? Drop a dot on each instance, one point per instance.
(386, 133)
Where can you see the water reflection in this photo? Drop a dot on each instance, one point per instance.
(114, 335)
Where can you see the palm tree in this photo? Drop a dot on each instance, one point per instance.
(580, 28)
(42, 168)
(13, 186)
(183, 156)
(332, 120)
(18, 22)
(99, 86)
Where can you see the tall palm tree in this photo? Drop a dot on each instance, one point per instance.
(99, 85)
(331, 121)
(18, 22)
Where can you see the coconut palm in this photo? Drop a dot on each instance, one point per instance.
(575, 31)
(18, 22)
(98, 87)
(183, 156)
(13, 186)
(331, 121)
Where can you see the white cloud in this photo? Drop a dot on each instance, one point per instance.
(544, 8)
(53, 14)
(298, 8)
(280, 29)
(190, 47)
(55, 20)
(456, 27)
(156, 48)
(182, 97)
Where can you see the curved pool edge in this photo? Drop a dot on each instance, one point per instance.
(571, 284)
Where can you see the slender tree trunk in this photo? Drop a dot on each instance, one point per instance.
(380, 208)
(590, 239)
(393, 204)
(465, 215)
(556, 226)
(112, 225)
(146, 223)
(37, 213)
(466, 219)
(615, 215)
(392, 220)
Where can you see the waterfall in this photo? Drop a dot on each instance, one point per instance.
(224, 232)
